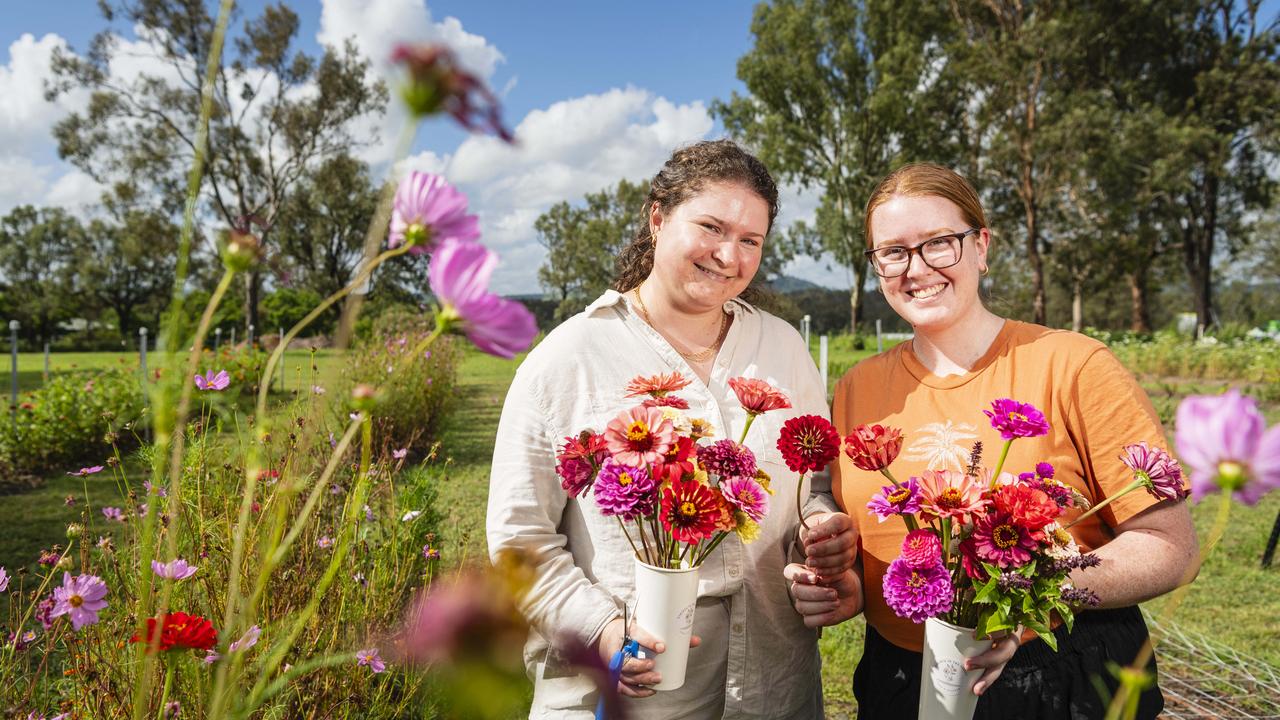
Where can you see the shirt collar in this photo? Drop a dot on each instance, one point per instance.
(612, 297)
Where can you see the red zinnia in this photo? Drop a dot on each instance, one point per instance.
(1026, 507)
(808, 442)
(757, 396)
(656, 385)
(873, 447)
(676, 462)
(690, 511)
(180, 630)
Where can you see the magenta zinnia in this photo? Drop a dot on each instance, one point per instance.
(746, 496)
(459, 277)
(428, 211)
(1016, 419)
(690, 511)
(896, 500)
(625, 491)
(81, 598)
(639, 436)
(917, 593)
(727, 458)
(1157, 471)
(921, 548)
(997, 539)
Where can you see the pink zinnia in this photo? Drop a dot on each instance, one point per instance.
(625, 491)
(459, 277)
(639, 436)
(727, 458)
(428, 211)
(949, 494)
(896, 500)
(873, 447)
(370, 659)
(80, 597)
(1224, 442)
(997, 539)
(1157, 470)
(174, 569)
(758, 396)
(210, 381)
(1016, 419)
(747, 496)
(918, 593)
(921, 548)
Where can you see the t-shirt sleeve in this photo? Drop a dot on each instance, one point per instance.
(1109, 410)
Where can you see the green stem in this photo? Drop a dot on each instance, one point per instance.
(885, 472)
(168, 685)
(1137, 483)
(631, 542)
(799, 505)
(995, 476)
(750, 419)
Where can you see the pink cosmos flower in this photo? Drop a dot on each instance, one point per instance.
(918, 593)
(86, 471)
(1159, 472)
(174, 569)
(369, 658)
(80, 597)
(436, 83)
(246, 641)
(210, 657)
(639, 436)
(949, 494)
(1223, 441)
(210, 381)
(896, 500)
(113, 513)
(428, 211)
(430, 553)
(921, 548)
(325, 542)
(746, 495)
(400, 454)
(459, 277)
(1016, 419)
(4, 580)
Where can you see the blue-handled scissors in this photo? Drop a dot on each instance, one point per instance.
(630, 648)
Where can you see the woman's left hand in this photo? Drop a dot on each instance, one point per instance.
(1003, 647)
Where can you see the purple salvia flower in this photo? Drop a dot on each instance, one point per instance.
(429, 211)
(1013, 581)
(177, 569)
(459, 277)
(1224, 441)
(1080, 597)
(80, 597)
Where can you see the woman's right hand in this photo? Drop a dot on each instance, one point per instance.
(638, 676)
(824, 600)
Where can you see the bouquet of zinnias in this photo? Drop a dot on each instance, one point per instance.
(676, 498)
(990, 550)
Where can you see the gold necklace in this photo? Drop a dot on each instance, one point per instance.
(696, 357)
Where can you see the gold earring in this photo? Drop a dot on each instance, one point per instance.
(984, 271)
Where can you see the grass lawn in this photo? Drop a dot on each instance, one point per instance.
(1234, 601)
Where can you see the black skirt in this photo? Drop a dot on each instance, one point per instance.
(1037, 682)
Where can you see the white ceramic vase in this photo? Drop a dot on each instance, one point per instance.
(946, 688)
(665, 603)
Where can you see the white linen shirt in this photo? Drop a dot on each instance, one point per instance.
(757, 659)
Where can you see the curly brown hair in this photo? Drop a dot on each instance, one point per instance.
(684, 175)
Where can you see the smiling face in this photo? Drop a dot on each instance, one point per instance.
(708, 248)
(931, 300)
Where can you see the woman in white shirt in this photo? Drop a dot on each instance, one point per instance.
(676, 308)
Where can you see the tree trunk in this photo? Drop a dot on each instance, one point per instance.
(252, 290)
(855, 296)
(1197, 254)
(1140, 314)
(1077, 304)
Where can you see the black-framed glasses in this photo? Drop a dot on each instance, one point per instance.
(938, 253)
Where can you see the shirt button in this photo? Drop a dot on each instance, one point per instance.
(737, 628)
(733, 571)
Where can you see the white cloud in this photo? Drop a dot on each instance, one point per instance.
(75, 191)
(22, 182)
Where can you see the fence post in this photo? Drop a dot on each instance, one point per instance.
(46, 362)
(142, 362)
(804, 330)
(249, 342)
(879, 340)
(822, 361)
(233, 338)
(217, 339)
(13, 396)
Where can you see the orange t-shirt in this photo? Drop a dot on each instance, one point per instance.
(1093, 405)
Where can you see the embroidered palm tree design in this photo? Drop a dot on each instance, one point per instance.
(942, 445)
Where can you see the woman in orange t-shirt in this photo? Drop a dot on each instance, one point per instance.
(928, 241)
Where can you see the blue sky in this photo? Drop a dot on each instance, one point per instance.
(596, 92)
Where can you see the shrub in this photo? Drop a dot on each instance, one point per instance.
(415, 401)
(68, 419)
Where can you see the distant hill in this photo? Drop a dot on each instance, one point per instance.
(787, 284)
